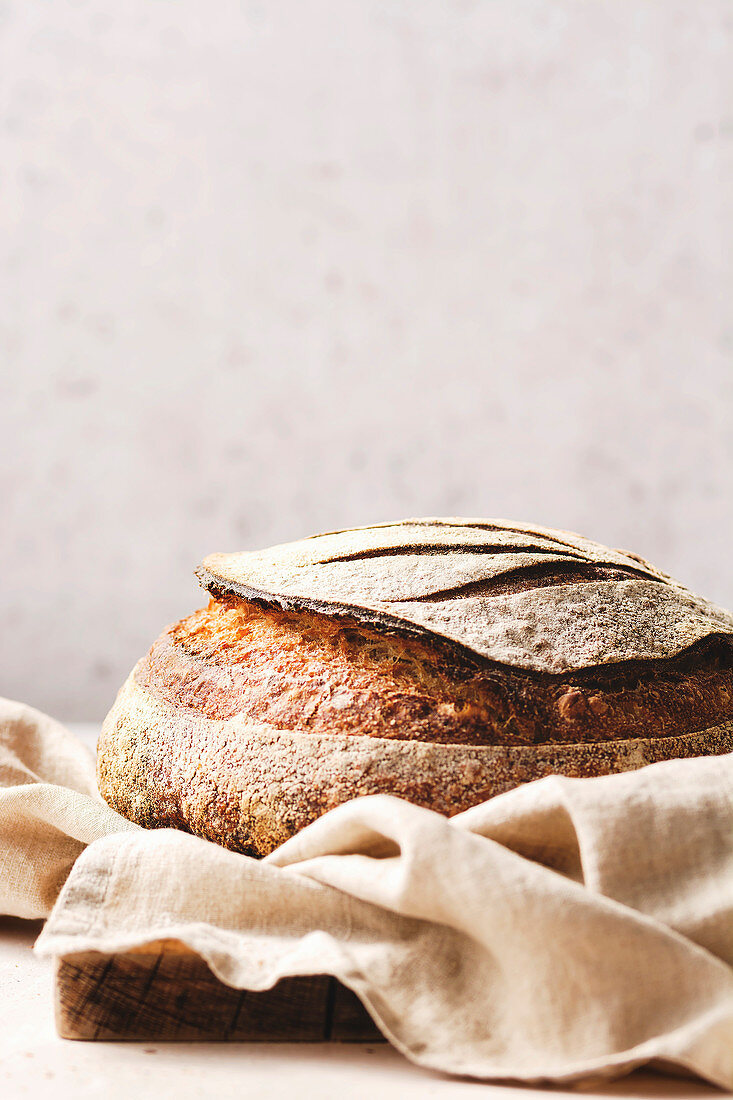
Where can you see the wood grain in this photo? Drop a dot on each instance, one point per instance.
(165, 993)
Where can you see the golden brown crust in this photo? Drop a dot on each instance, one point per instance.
(320, 675)
(250, 787)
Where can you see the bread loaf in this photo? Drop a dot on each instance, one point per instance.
(443, 661)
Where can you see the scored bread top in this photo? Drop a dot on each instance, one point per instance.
(517, 594)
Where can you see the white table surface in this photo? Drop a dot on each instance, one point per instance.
(35, 1062)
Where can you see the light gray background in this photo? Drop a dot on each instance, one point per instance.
(271, 268)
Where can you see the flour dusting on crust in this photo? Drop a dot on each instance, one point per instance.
(496, 588)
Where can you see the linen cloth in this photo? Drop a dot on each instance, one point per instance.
(569, 930)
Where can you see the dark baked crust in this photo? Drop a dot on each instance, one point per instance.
(315, 674)
(251, 787)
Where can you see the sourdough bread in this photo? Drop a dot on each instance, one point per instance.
(443, 661)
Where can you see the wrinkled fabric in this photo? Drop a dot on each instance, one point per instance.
(49, 809)
(567, 930)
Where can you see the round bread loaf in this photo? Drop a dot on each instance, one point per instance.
(443, 661)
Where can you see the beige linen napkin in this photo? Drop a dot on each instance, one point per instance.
(566, 930)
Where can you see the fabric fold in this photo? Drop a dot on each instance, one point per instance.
(570, 929)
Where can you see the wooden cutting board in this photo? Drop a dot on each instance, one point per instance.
(165, 992)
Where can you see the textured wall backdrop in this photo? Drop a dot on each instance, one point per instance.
(275, 267)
